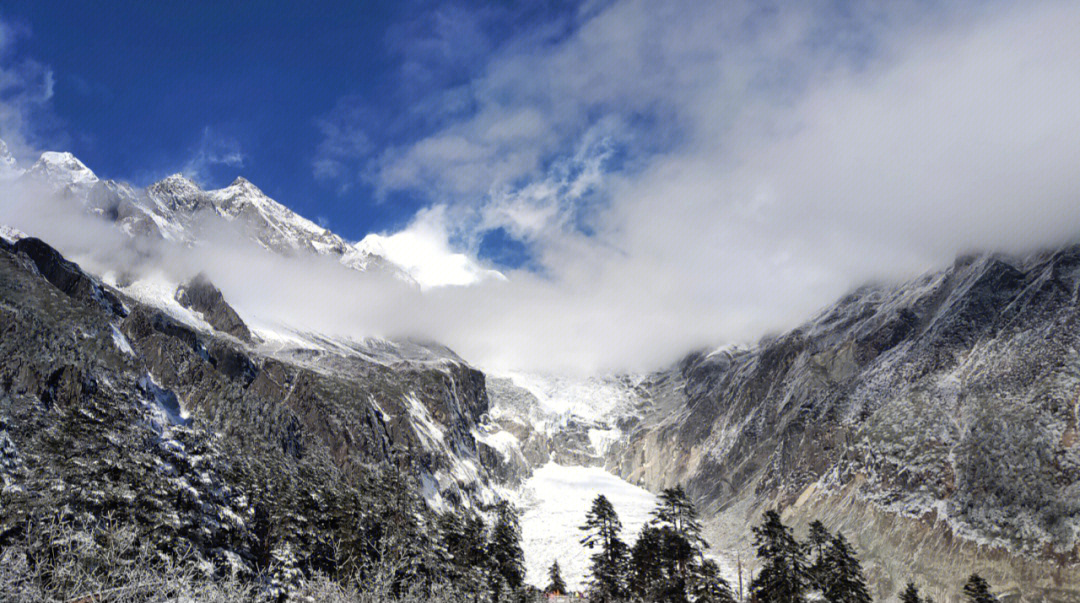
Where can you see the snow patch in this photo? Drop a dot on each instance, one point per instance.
(596, 399)
(121, 342)
(163, 404)
(554, 502)
(159, 291)
(10, 233)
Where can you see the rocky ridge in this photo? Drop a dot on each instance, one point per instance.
(934, 422)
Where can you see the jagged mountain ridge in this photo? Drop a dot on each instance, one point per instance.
(177, 210)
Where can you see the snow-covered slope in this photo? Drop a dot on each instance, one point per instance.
(554, 502)
(63, 170)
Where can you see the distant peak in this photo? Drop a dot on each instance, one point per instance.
(63, 158)
(176, 181)
(241, 181)
(8, 166)
(63, 168)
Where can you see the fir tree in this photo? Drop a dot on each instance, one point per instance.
(647, 564)
(818, 539)
(978, 591)
(555, 586)
(507, 557)
(782, 578)
(667, 559)
(707, 586)
(844, 582)
(677, 512)
(608, 567)
(910, 594)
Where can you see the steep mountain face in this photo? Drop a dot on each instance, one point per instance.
(934, 423)
(112, 407)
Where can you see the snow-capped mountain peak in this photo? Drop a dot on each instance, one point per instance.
(274, 225)
(178, 209)
(63, 169)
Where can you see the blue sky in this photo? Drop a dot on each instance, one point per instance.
(650, 177)
(220, 89)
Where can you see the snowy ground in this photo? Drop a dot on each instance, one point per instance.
(554, 502)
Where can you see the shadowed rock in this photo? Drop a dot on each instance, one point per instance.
(201, 295)
(67, 276)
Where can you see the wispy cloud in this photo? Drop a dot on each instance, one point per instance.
(345, 144)
(214, 149)
(27, 122)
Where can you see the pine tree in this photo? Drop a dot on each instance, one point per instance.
(677, 512)
(555, 586)
(910, 594)
(978, 591)
(782, 578)
(707, 586)
(647, 564)
(668, 557)
(819, 539)
(844, 581)
(608, 567)
(507, 557)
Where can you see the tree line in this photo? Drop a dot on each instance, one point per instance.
(667, 562)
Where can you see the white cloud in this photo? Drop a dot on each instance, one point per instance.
(697, 174)
(26, 92)
(423, 250)
(214, 149)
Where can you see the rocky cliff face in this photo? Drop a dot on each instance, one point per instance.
(935, 423)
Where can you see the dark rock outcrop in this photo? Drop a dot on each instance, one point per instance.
(66, 276)
(201, 295)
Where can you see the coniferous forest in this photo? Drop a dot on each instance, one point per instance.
(668, 563)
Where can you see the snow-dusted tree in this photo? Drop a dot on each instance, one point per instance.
(675, 511)
(782, 578)
(844, 579)
(978, 591)
(647, 577)
(507, 556)
(608, 567)
(556, 585)
(706, 585)
(910, 594)
(818, 542)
